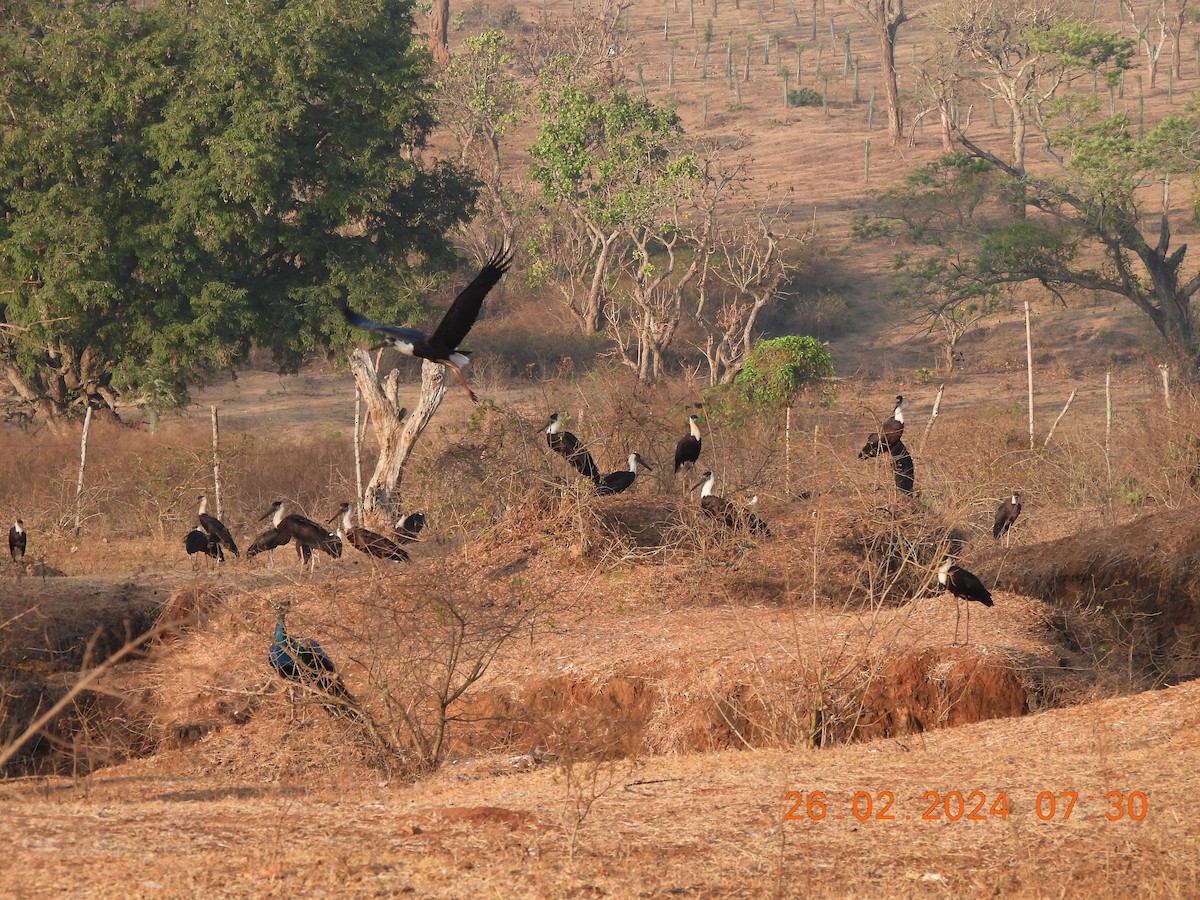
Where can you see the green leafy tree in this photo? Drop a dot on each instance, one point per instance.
(611, 164)
(479, 99)
(182, 182)
(778, 368)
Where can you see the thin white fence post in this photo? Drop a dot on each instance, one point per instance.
(1029, 366)
(87, 423)
(216, 461)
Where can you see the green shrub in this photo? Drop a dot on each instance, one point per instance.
(805, 97)
(776, 369)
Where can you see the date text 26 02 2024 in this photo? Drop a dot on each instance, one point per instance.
(972, 806)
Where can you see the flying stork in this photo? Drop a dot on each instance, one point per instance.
(964, 586)
(442, 346)
(726, 511)
(570, 448)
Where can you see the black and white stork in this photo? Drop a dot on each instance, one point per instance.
(199, 541)
(964, 586)
(890, 432)
(570, 448)
(215, 528)
(442, 346)
(687, 451)
(726, 511)
(902, 468)
(408, 527)
(1006, 516)
(285, 527)
(364, 540)
(18, 540)
(622, 480)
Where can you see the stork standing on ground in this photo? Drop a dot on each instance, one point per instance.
(964, 586)
(215, 528)
(199, 541)
(726, 511)
(902, 468)
(285, 527)
(570, 448)
(687, 451)
(889, 434)
(442, 346)
(18, 539)
(364, 540)
(621, 480)
(408, 527)
(1006, 517)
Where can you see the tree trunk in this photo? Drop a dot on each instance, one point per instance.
(396, 433)
(439, 26)
(887, 55)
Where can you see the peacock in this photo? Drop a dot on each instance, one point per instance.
(302, 660)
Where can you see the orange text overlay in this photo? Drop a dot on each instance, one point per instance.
(968, 806)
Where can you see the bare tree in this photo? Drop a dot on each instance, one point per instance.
(1156, 25)
(752, 256)
(644, 325)
(996, 34)
(395, 430)
(939, 76)
(584, 46)
(885, 18)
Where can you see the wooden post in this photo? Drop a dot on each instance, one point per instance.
(87, 423)
(1046, 443)
(1029, 366)
(1165, 372)
(937, 407)
(358, 491)
(216, 461)
(1108, 424)
(787, 451)
(867, 160)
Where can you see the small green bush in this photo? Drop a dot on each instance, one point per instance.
(805, 97)
(777, 368)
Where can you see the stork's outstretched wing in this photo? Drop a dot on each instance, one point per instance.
(465, 309)
(410, 335)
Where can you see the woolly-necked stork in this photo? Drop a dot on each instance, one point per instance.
(442, 346)
(570, 448)
(621, 480)
(687, 451)
(964, 586)
(727, 511)
(1006, 516)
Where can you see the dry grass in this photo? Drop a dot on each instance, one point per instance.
(670, 682)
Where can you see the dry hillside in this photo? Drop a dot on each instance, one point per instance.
(663, 706)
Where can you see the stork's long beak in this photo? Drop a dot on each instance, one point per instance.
(268, 514)
(697, 484)
(379, 347)
(649, 468)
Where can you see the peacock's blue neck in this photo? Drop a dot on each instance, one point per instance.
(280, 632)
